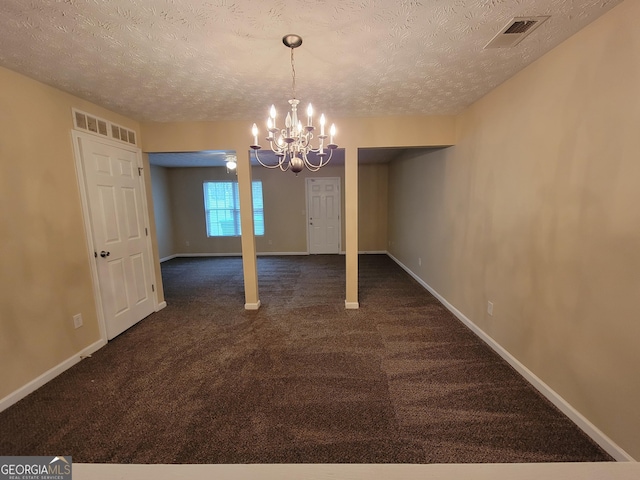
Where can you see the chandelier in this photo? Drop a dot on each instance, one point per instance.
(292, 144)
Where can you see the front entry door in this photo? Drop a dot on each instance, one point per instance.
(323, 212)
(122, 256)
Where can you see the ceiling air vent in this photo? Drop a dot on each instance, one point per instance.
(515, 31)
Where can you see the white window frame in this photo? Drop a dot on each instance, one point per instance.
(230, 225)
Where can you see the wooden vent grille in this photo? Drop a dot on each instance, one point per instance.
(104, 128)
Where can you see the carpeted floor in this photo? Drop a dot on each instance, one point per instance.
(302, 380)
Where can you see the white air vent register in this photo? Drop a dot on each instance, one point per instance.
(515, 31)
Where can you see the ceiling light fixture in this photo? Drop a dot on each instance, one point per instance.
(231, 162)
(292, 144)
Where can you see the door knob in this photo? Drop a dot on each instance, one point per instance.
(104, 254)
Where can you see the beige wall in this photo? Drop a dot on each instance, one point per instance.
(45, 277)
(285, 207)
(189, 219)
(284, 204)
(536, 209)
(353, 133)
(372, 207)
(161, 195)
(187, 211)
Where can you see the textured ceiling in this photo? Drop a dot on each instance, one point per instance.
(185, 60)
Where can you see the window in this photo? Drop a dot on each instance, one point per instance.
(222, 209)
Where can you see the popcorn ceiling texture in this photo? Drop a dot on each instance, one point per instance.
(196, 60)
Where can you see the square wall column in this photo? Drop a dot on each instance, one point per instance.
(351, 227)
(249, 257)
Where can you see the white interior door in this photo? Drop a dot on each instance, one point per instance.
(323, 215)
(122, 256)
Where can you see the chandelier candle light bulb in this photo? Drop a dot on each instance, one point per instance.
(292, 145)
(254, 130)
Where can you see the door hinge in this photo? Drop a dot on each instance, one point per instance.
(153, 287)
(139, 171)
(95, 254)
(146, 231)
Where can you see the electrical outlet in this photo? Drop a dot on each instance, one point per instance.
(490, 308)
(77, 320)
(419, 261)
(187, 243)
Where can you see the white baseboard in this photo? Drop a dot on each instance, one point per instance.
(580, 420)
(49, 375)
(266, 254)
(351, 305)
(160, 306)
(252, 306)
(262, 254)
(238, 254)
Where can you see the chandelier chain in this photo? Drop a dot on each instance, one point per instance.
(293, 75)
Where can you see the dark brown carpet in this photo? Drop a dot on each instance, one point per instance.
(301, 380)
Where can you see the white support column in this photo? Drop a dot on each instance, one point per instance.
(351, 227)
(249, 258)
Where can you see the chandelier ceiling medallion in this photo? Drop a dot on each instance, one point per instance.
(292, 144)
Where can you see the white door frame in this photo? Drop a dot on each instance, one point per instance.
(88, 230)
(308, 180)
